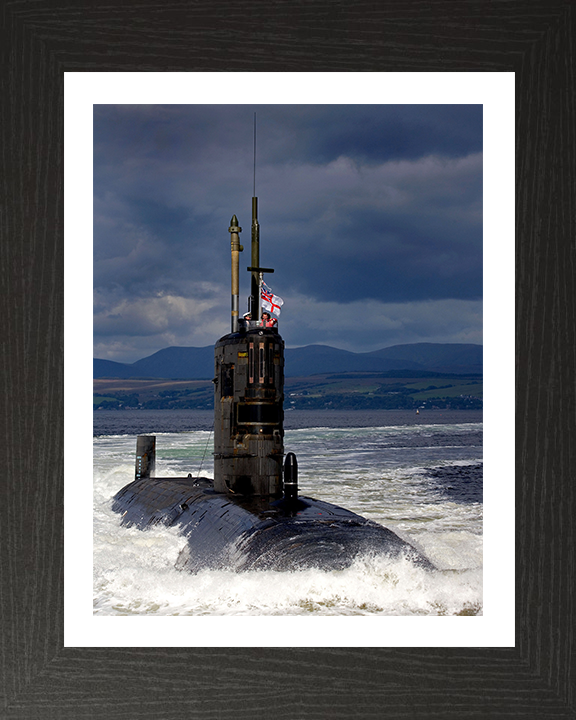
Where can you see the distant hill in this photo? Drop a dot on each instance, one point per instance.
(193, 363)
(178, 362)
(441, 357)
(315, 359)
(109, 368)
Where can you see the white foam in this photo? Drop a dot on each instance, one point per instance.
(134, 571)
(371, 586)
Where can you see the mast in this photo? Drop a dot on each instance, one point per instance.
(235, 249)
(255, 282)
(255, 269)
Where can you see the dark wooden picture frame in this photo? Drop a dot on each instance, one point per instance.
(41, 40)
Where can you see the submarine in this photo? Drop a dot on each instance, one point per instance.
(251, 516)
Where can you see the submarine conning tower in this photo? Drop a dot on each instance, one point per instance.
(248, 391)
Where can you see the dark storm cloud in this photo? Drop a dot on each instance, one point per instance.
(363, 133)
(378, 204)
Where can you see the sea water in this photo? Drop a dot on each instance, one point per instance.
(418, 475)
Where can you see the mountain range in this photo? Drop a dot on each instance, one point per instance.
(193, 363)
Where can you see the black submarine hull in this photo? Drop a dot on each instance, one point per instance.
(239, 533)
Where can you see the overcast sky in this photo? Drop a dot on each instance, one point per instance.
(371, 216)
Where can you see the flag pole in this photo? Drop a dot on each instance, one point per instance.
(260, 281)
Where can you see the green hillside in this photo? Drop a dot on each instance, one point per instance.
(343, 391)
(383, 391)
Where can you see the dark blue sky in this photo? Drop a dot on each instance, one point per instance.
(371, 216)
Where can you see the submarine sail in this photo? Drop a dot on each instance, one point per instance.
(250, 517)
(248, 401)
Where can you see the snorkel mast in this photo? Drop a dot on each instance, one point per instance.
(236, 249)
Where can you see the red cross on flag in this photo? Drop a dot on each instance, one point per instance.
(271, 302)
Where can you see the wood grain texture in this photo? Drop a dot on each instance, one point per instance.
(40, 40)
